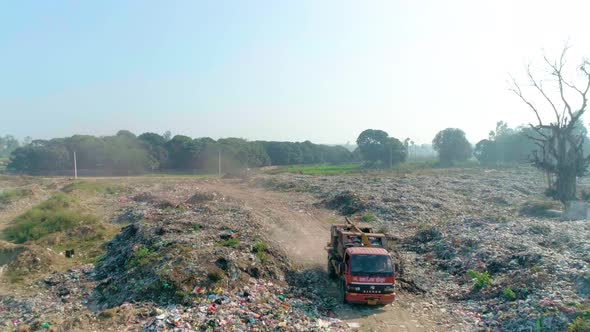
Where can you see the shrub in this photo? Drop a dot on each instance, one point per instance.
(482, 279)
(259, 247)
(509, 294)
(215, 274)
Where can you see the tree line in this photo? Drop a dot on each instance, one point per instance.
(126, 153)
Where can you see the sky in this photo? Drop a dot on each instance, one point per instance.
(318, 70)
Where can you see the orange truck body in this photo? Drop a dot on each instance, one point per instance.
(364, 268)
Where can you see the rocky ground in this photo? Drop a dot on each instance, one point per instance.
(478, 251)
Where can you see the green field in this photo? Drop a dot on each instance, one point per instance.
(408, 166)
(318, 169)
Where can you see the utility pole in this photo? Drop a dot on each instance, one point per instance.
(391, 156)
(75, 167)
(219, 164)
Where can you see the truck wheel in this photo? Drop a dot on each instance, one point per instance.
(331, 270)
(343, 292)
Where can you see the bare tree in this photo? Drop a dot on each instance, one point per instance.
(560, 141)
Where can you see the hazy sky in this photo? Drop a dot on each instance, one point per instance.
(276, 70)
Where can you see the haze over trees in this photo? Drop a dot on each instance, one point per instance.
(126, 153)
(452, 146)
(8, 144)
(378, 149)
(560, 142)
(505, 145)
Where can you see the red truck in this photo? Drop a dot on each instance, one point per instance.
(364, 268)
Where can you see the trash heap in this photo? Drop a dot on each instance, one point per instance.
(202, 262)
(258, 306)
(467, 236)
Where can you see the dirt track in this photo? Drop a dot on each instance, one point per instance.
(303, 231)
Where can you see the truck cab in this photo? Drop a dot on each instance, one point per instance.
(368, 276)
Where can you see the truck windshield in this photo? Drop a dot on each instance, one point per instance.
(379, 265)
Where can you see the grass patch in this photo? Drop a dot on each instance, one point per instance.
(368, 217)
(9, 196)
(230, 242)
(93, 187)
(262, 256)
(482, 279)
(54, 215)
(142, 257)
(318, 169)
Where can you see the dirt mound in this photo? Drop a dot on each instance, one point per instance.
(20, 262)
(146, 197)
(165, 260)
(346, 202)
(202, 196)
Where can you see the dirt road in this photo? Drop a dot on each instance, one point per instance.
(303, 230)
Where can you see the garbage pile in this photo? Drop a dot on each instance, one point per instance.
(259, 305)
(202, 262)
(463, 237)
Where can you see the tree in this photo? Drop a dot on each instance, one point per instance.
(156, 148)
(451, 145)
(560, 142)
(377, 147)
(7, 144)
(485, 151)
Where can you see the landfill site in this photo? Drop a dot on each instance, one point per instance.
(474, 249)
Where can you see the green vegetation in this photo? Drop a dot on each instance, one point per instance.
(93, 186)
(128, 154)
(379, 150)
(259, 246)
(196, 227)
(142, 257)
(509, 294)
(230, 242)
(452, 146)
(261, 255)
(215, 274)
(12, 195)
(368, 217)
(506, 145)
(580, 324)
(54, 215)
(318, 169)
(482, 279)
